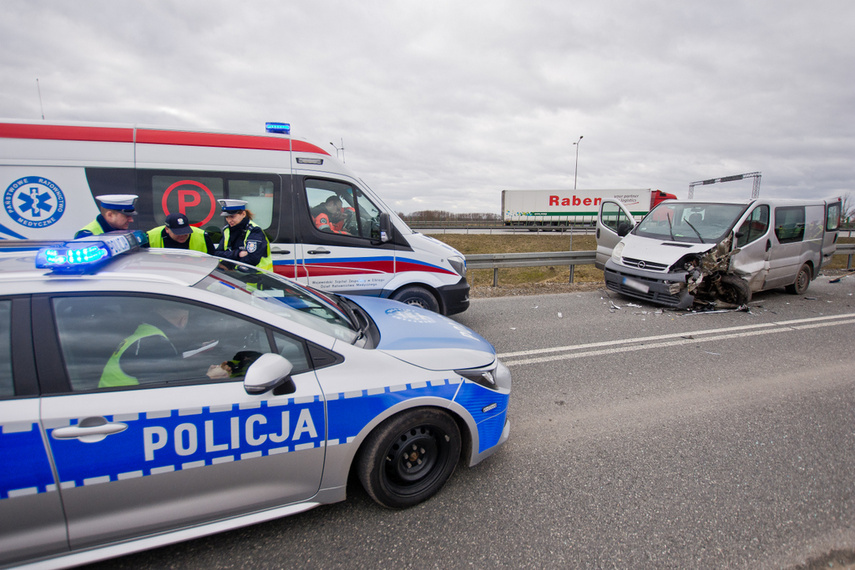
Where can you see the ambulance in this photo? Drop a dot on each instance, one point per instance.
(50, 174)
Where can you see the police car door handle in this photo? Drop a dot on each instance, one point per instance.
(276, 249)
(318, 251)
(90, 430)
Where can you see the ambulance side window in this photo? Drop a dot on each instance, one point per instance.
(342, 209)
(196, 193)
(110, 341)
(6, 386)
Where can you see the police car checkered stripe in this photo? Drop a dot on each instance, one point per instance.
(189, 438)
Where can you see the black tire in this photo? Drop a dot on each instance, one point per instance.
(734, 290)
(803, 279)
(418, 297)
(409, 457)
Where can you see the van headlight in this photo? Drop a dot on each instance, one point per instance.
(458, 263)
(494, 376)
(617, 252)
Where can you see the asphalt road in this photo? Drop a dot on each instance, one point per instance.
(640, 438)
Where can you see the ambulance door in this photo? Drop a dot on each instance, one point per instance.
(185, 445)
(31, 518)
(613, 222)
(340, 248)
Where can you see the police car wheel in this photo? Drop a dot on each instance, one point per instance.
(417, 296)
(409, 457)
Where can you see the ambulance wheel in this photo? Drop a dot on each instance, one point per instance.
(802, 281)
(418, 297)
(734, 290)
(409, 457)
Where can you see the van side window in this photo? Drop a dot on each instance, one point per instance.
(832, 217)
(754, 227)
(342, 209)
(614, 217)
(790, 223)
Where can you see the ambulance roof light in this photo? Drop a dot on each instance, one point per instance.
(89, 253)
(278, 128)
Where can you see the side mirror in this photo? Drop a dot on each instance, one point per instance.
(266, 373)
(385, 227)
(623, 229)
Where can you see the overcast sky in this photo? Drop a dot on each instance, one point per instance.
(442, 104)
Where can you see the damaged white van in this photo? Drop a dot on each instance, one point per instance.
(684, 253)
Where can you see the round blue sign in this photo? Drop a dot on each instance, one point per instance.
(34, 202)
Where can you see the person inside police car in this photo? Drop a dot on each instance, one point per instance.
(156, 350)
(117, 213)
(177, 233)
(243, 240)
(335, 218)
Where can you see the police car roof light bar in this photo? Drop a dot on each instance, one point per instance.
(89, 253)
(278, 128)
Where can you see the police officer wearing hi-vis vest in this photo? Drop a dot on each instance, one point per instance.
(117, 212)
(243, 240)
(177, 233)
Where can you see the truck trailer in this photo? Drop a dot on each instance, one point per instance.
(563, 208)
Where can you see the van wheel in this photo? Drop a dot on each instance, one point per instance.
(734, 290)
(802, 281)
(417, 296)
(409, 457)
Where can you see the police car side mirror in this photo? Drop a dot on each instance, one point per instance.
(266, 373)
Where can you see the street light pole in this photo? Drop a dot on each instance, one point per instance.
(341, 148)
(576, 171)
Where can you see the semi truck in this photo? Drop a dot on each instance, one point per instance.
(563, 208)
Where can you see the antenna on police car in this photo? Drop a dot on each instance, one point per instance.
(38, 87)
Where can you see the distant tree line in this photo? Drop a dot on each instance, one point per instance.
(443, 216)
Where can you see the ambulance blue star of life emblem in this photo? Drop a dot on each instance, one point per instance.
(34, 202)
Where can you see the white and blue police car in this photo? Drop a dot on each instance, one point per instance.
(153, 396)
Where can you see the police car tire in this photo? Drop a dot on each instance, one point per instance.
(409, 457)
(417, 296)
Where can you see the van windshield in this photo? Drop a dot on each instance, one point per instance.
(692, 222)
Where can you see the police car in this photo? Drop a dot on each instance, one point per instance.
(153, 396)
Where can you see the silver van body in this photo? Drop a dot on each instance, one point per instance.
(683, 252)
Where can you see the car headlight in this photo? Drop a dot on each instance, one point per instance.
(494, 376)
(458, 264)
(617, 252)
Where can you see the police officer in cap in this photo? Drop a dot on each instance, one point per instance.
(243, 240)
(117, 212)
(177, 233)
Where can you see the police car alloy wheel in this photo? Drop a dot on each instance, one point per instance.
(409, 457)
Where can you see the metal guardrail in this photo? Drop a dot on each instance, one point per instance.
(495, 261)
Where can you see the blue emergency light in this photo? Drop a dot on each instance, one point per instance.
(89, 253)
(278, 128)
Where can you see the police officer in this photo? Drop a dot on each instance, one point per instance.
(117, 212)
(177, 233)
(243, 240)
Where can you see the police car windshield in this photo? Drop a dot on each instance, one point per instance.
(261, 289)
